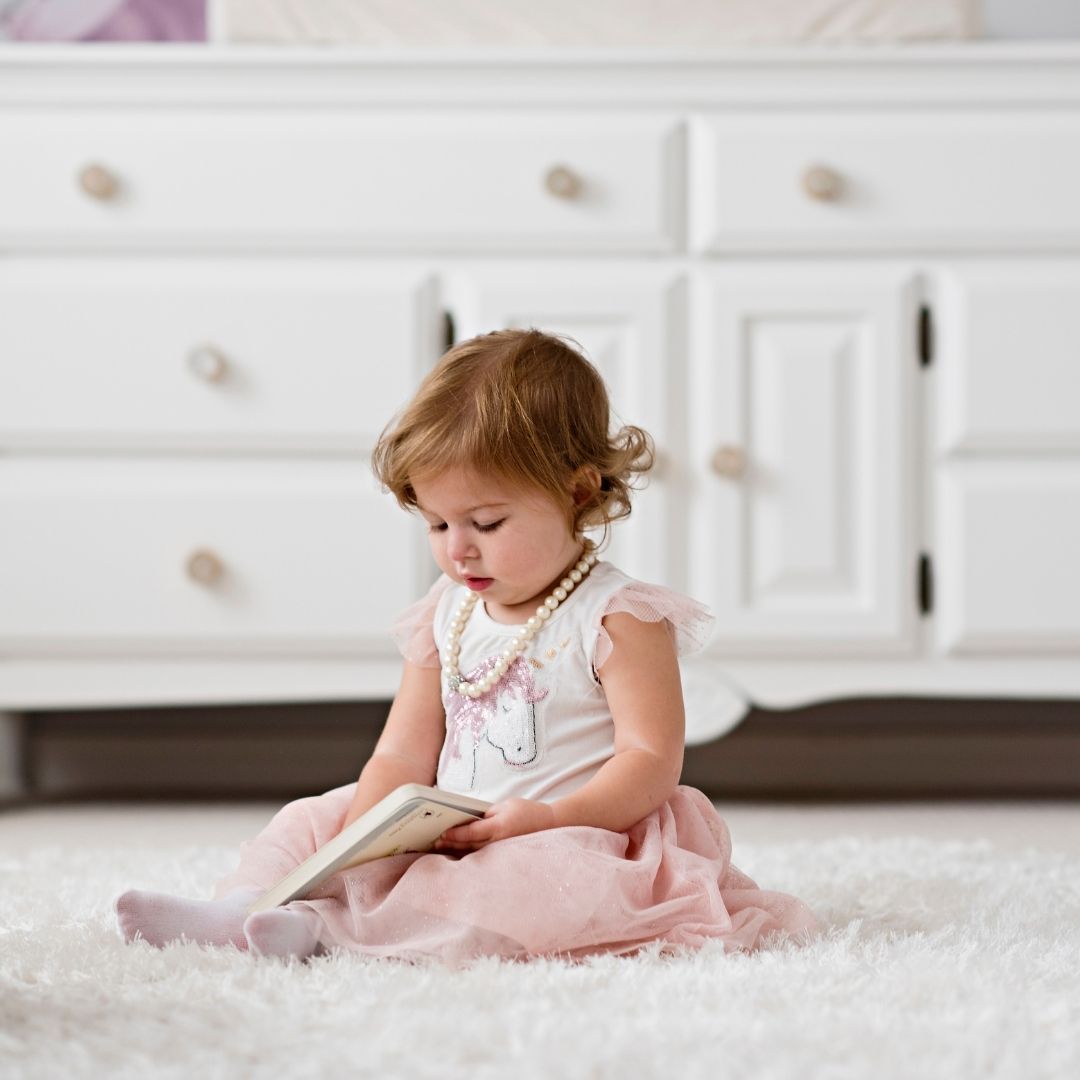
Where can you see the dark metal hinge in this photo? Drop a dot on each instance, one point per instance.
(926, 584)
(926, 336)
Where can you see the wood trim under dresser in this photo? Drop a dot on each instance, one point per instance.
(855, 749)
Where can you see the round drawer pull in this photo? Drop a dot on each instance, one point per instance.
(205, 567)
(208, 363)
(98, 182)
(563, 183)
(822, 183)
(729, 461)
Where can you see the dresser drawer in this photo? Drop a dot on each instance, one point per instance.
(207, 557)
(1007, 534)
(902, 180)
(1007, 332)
(492, 180)
(210, 354)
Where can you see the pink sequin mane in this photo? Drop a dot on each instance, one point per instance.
(473, 715)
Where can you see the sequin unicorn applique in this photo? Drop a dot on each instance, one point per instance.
(504, 717)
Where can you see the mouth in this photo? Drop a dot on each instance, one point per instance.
(478, 583)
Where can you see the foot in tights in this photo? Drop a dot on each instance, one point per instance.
(283, 932)
(160, 918)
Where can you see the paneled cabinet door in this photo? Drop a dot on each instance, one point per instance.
(628, 322)
(1007, 457)
(803, 520)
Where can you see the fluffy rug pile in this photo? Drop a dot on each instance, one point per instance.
(941, 959)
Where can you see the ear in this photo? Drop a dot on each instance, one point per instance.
(585, 483)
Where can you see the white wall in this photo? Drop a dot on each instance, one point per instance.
(1046, 19)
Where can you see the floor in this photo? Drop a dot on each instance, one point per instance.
(1014, 825)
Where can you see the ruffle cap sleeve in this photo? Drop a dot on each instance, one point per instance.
(690, 622)
(413, 631)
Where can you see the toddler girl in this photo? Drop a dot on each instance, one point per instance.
(537, 677)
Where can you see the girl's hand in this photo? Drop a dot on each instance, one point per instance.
(511, 817)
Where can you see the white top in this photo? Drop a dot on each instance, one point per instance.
(545, 729)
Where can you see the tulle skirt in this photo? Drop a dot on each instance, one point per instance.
(569, 892)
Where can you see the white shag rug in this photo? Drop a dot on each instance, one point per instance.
(941, 959)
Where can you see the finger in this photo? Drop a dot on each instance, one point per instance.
(473, 830)
(452, 845)
(467, 833)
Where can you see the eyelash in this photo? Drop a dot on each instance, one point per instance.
(479, 528)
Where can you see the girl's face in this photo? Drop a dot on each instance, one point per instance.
(511, 545)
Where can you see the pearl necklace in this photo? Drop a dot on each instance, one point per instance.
(520, 643)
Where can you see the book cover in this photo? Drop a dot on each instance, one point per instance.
(410, 819)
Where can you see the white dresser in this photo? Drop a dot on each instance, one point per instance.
(840, 286)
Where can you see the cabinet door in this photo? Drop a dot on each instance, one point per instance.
(1007, 447)
(628, 322)
(803, 522)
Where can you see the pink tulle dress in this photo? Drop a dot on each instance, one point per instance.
(542, 732)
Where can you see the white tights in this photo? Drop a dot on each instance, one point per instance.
(159, 918)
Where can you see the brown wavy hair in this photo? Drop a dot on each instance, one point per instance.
(524, 406)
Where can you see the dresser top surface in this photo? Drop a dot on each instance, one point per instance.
(962, 53)
(857, 75)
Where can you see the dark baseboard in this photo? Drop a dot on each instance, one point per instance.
(896, 748)
(864, 748)
(238, 752)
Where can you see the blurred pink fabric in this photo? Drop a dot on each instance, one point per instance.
(412, 630)
(569, 892)
(105, 20)
(689, 621)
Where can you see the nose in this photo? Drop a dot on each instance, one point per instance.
(459, 546)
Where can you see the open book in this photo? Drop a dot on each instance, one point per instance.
(411, 818)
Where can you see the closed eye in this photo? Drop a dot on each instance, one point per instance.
(441, 527)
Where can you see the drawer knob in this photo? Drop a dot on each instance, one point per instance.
(563, 183)
(98, 182)
(729, 461)
(205, 567)
(822, 183)
(208, 363)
